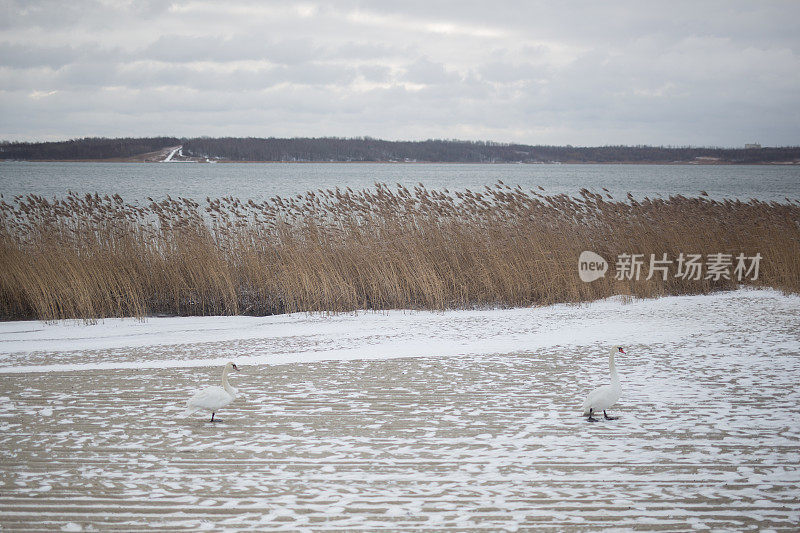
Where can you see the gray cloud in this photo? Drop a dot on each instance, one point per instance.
(183, 48)
(429, 72)
(590, 73)
(375, 73)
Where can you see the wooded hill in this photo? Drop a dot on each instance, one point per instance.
(86, 148)
(368, 149)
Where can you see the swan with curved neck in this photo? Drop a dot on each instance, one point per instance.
(213, 398)
(604, 397)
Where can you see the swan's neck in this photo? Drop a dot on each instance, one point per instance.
(613, 368)
(225, 384)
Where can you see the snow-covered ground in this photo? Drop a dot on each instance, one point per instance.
(467, 419)
(171, 154)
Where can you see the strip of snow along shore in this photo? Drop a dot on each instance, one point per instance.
(741, 321)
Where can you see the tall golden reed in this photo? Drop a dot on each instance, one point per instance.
(340, 250)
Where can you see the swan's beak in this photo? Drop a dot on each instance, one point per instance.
(621, 350)
(235, 367)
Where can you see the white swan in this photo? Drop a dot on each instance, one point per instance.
(213, 398)
(604, 397)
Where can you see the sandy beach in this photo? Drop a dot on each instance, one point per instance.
(435, 421)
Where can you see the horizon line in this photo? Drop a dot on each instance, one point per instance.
(370, 138)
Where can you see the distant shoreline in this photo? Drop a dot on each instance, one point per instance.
(367, 150)
(229, 161)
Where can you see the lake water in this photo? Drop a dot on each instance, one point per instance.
(136, 181)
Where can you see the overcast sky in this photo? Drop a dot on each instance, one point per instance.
(582, 73)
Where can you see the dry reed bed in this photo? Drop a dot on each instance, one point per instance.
(340, 250)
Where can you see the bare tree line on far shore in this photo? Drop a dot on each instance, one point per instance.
(369, 149)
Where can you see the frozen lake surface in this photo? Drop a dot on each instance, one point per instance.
(405, 420)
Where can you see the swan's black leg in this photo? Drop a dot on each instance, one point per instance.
(212, 415)
(591, 418)
(609, 417)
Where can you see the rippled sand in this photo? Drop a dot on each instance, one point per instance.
(709, 437)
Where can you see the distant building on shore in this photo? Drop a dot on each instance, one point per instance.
(754, 145)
